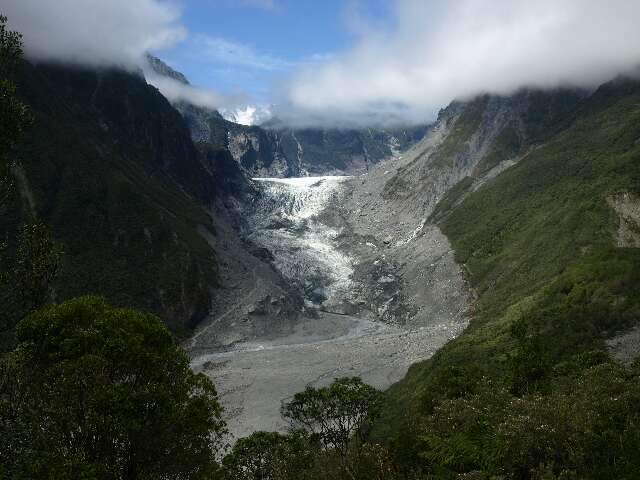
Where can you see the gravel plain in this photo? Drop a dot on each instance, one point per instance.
(406, 298)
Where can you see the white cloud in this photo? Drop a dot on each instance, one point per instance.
(263, 4)
(402, 69)
(94, 32)
(247, 114)
(436, 51)
(220, 50)
(106, 32)
(176, 91)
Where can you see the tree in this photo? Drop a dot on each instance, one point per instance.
(335, 413)
(94, 391)
(14, 115)
(270, 456)
(38, 260)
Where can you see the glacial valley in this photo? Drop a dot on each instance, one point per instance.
(369, 308)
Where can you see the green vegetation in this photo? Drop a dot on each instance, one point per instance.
(99, 392)
(271, 456)
(109, 166)
(328, 440)
(13, 118)
(37, 258)
(334, 414)
(529, 390)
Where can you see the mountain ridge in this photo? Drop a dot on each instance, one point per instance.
(274, 150)
(145, 216)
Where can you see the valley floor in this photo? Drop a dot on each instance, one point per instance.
(405, 298)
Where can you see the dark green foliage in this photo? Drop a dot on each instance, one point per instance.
(37, 257)
(94, 391)
(13, 113)
(335, 413)
(38, 260)
(297, 456)
(585, 428)
(271, 456)
(529, 390)
(110, 167)
(14, 116)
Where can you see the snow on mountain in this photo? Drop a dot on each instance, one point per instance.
(248, 114)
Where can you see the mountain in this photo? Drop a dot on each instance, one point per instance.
(539, 195)
(273, 150)
(145, 217)
(247, 115)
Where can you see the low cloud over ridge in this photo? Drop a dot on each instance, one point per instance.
(398, 71)
(94, 32)
(437, 51)
(106, 33)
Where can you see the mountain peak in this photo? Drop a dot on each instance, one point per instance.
(248, 114)
(161, 68)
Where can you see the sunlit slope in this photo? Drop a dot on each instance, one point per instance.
(542, 247)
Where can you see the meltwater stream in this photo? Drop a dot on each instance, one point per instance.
(254, 378)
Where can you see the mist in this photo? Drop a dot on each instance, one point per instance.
(437, 51)
(396, 72)
(113, 33)
(94, 32)
(176, 91)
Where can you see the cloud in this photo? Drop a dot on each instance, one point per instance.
(263, 4)
(176, 91)
(106, 32)
(94, 32)
(247, 114)
(435, 51)
(220, 50)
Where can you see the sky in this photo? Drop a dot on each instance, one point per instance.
(246, 46)
(341, 62)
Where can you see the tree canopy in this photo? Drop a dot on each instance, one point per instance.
(334, 413)
(94, 391)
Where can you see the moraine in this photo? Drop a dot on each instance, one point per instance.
(255, 377)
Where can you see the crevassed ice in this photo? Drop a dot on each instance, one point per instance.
(303, 247)
(302, 197)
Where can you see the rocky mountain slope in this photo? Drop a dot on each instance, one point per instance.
(537, 194)
(144, 216)
(279, 151)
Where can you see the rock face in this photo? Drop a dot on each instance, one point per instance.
(405, 273)
(627, 206)
(285, 152)
(145, 217)
(161, 68)
(276, 151)
(472, 142)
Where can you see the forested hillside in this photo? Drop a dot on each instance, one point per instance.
(109, 164)
(531, 388)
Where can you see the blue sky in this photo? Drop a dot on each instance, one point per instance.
(244, 47)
